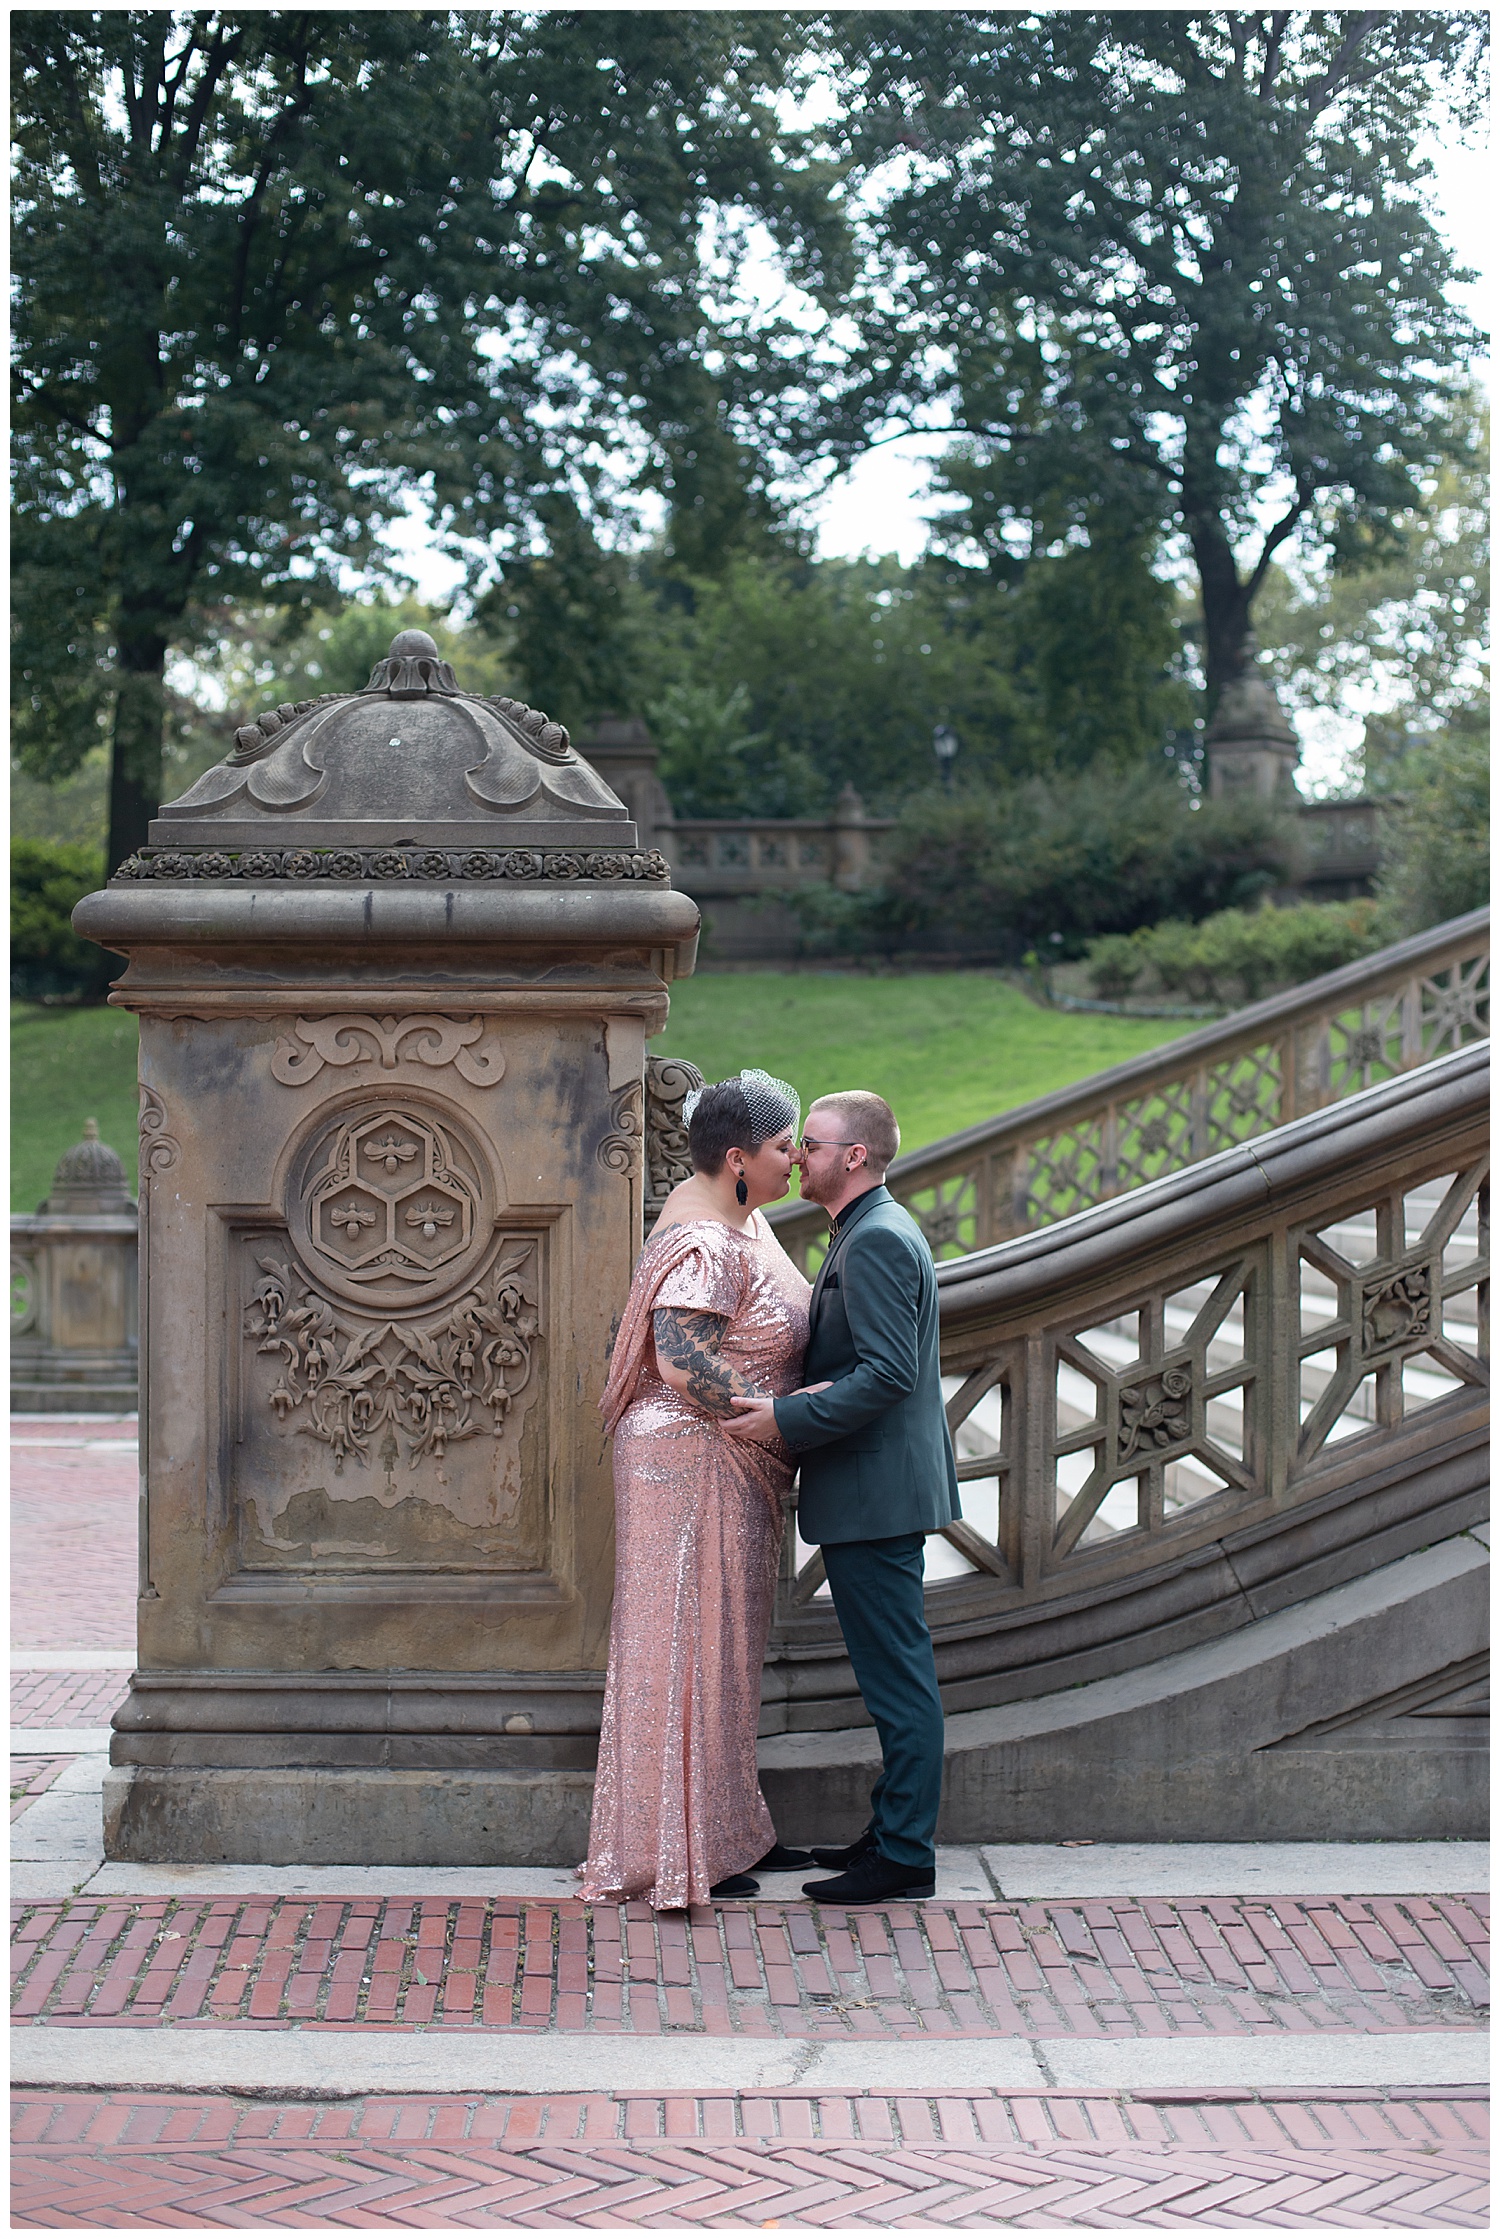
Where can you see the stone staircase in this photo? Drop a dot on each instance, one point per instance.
(1221, 1441)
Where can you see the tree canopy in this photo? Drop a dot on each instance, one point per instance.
(1167, 267)
(273, 269)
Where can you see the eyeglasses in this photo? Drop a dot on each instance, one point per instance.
(828, 1143)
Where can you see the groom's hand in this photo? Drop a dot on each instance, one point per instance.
(754, 1419)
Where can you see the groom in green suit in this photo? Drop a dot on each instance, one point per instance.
(877, 1476)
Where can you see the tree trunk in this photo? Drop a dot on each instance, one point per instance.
(135, 765)
(1226, 608)
(1226, 600)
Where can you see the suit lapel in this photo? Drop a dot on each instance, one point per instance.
(858, 1209)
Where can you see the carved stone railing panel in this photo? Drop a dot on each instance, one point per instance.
(1227, 1084)
(1218, 1351)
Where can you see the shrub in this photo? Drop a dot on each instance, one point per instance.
(1436, 844)
(1116, 962)
(1247, 951)
(1104, 852)
(48, 961)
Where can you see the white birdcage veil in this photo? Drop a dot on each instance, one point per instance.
(772, 1104)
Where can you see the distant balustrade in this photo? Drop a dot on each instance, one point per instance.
(73, 1316)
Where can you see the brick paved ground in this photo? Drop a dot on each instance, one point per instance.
(1153, 1969)
(962, 2162)
(1107, 1969)
(73, 1534)
(31, 1777)
(66, 1698)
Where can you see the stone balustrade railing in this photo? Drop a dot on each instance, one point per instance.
(1293, 1054)
(1182, 1408)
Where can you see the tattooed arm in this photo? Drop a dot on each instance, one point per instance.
(687, 1357)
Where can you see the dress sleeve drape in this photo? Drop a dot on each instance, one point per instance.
(673, 1270)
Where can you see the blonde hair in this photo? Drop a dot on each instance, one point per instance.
(869, 1120)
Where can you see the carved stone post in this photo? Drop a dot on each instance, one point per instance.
(1251, 748)
(851, 842)
(73, 1289)
(395, 960)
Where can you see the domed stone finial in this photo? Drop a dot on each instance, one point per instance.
(413, 668)
(90, 1178)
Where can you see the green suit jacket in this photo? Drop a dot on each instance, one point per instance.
(874, 1449)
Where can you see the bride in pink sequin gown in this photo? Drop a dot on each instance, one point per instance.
(698, 1523)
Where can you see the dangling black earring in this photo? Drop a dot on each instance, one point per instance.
(741, 1192)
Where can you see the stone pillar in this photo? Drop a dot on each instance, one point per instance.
(851, 841)
(1250, 746)
(73, 1289)
(395, 961)
(624, 753)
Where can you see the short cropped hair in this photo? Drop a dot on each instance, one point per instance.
(866, 1118)
(722, 1122)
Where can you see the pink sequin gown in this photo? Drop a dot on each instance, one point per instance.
(698, 1521)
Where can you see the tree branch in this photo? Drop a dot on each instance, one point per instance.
(1275, 538)
(39, 392)
(250, 210)
(1275, 33)
(216, 62)
(1318, 94)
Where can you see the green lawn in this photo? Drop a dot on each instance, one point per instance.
(946, 1048)
(66, 1067)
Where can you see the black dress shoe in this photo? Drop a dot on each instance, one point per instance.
(780, 1860)
(873, 1880)
(850, 1854)
(735, 1885)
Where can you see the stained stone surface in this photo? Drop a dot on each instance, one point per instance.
(393, 1173)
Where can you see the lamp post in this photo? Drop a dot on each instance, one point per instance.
(945, 746)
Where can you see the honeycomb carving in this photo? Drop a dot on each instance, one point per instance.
(390, 1206)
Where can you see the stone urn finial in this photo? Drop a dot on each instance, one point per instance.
(412, 667)
(90, 1178)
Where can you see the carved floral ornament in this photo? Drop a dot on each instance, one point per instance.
(352, 1038)
(377, 866)
(668, 1157)
(159, 1150)
(397, 1317)
(345, 1381)
(1156, 1411)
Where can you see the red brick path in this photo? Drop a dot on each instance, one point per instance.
(31, 1777)
(66, 1698)
(73, 1536)
(963, 2162)
(872, 2160)
(1095, 1969)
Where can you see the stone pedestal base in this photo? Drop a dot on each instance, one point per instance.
(251, 1816)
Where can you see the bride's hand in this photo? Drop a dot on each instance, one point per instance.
(806, 1391)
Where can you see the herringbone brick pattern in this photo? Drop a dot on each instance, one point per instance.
(960, 2163)
(66, 1698)
(1119, 1968)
